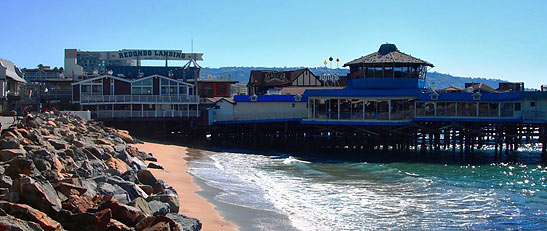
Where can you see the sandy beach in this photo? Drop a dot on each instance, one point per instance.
(171, 157)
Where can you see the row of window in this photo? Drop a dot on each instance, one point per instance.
(404, 109)
(467, 109)
(388, 71)
(142, 87)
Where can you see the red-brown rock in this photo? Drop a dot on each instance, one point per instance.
(115, 225)
(39, 195)
(116, 163)
(156, 223)
(128, 215)
(28, 213)
(79, 204)
(103, 217)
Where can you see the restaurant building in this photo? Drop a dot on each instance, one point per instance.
(388, 87)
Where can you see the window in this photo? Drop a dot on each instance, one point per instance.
(142, 87)
(517, 106)
(507, 109)
(532, 104)
(221, 89)
(92, 88)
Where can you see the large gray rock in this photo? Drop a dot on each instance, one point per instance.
(58, 144)
(5, 181)
(159, 208)
(39, 195)
(9, 143)
(11, 223)
(171, 199)
(142, 205)
(185, 223)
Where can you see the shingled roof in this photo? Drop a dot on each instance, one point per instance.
(388, 53)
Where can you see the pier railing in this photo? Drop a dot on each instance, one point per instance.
(145, 114)
(137, 99)
(260, 116)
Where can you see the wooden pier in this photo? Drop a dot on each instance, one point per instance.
(420, 137)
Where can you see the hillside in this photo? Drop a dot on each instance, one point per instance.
(439, 80)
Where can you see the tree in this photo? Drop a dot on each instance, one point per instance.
(40, 66)
(61, 69)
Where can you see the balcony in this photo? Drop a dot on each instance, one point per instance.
(144, 114)
(138, 99)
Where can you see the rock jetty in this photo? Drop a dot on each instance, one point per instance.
(59, 172)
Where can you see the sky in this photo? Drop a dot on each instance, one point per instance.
(492, 39)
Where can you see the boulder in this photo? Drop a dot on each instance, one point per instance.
(159, 208)
(115, 225)
(156, 223)
(103, 217)
(128, 215)
(116, 163)
(146, 177)
(19, 165)
(142, 205)
(9, 144)
(68, 189)
(171, 199)
(58, 144)
(8, 154)
(124, 135)
(10, 223)
(103, 142)
(136, 163)
(28, 213)
(79, 204)
(5, 181)
(146, 188)
(184, 222)
(39, 195)
(153, 165)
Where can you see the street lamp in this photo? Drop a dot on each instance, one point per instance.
(45, 91)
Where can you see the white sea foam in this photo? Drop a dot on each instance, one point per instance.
(357, 196)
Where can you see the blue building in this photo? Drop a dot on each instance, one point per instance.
(388, 87)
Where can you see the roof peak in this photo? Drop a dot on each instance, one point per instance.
(387, 48)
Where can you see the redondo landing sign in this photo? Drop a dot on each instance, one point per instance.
(158, 55)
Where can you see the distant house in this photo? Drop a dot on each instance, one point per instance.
(11, 84)
(451, 89)
(262, 80)
(42, 78)
(480, 87)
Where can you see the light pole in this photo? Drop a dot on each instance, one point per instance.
(45, 91)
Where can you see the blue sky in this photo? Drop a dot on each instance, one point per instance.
(493, 39)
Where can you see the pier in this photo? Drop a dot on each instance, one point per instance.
(386, 106)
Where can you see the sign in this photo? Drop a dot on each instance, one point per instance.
(157, 55)
(329, 77)
(275, 76)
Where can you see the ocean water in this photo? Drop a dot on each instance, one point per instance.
(447, 192)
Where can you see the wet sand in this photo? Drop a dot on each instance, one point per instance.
(172, 158)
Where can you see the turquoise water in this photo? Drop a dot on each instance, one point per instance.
(448, 192)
